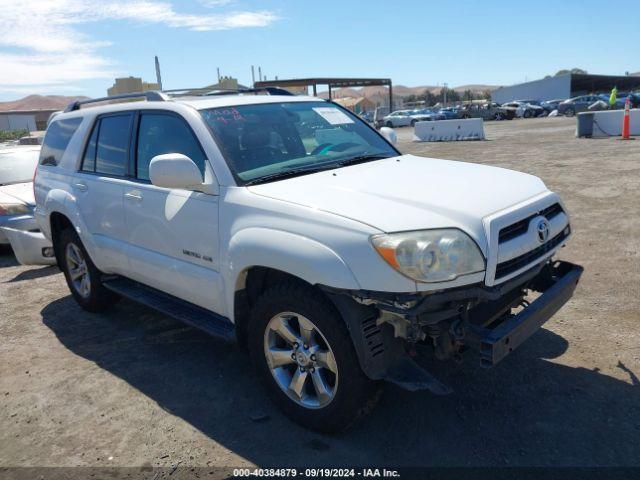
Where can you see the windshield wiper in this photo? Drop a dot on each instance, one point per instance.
(295, 172)
(362, 159)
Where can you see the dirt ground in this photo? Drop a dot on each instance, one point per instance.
(135, 388)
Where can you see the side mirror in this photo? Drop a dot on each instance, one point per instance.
(174, 170)
(389, 134)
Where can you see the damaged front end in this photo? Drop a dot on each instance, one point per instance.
(493, 321)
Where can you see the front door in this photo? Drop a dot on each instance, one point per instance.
(172, 233)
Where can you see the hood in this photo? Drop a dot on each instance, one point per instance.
(18, 192)
(410, 193)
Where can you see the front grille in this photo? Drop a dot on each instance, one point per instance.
(505, 268)
(520, 227)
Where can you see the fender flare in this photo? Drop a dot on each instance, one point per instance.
(64, 203)
(300, 256)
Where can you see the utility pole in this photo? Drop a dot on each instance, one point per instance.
(253, 77)
(259, 74)
(218, 71)
(158, 76)
(446, 85)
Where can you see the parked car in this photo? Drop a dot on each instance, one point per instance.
(575, 105)
(538, 112)
(550, 105)
(523, 109)
(487, 111)
(18, 226)
(378, 115)
(425, 115)
(321, 250)
(450, 113)
(399, 118)
(367, 116)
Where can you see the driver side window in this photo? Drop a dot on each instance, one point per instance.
(161, 133)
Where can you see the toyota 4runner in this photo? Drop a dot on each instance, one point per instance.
(290, 225)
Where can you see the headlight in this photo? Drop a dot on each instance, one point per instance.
(13, 209)
(430, 255)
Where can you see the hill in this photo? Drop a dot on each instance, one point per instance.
(39, 102)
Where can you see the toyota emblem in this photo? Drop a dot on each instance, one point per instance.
(543, 230)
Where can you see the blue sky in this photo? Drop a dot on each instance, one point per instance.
(79, 46)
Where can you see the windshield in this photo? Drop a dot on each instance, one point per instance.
(18, 166)
(264, 141)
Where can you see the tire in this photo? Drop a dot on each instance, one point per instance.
(527, 114)
(413, 123)
(498, 116)
(569, 112)
(388, 124)
(87, 289)
(348, 393)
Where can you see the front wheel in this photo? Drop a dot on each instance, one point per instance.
(569, 112)
(83, 277)
(388, 124)
(304, 355)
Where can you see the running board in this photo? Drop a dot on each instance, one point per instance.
(186, 312)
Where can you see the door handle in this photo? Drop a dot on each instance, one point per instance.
(81, 186)
(133, 196)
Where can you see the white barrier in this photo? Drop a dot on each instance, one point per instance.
(449, 130)
(608, 123)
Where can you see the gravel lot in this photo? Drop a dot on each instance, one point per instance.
(134, 388)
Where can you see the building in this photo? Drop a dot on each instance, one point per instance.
(356, 105)
(130, 85)
(565, 86)
(31, 120)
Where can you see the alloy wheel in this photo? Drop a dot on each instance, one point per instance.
(301, 360)
(78, 270)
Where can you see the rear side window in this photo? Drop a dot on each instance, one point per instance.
(163, 133)
(108, 147)
(57, 139)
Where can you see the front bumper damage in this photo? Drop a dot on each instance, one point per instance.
(493, 321)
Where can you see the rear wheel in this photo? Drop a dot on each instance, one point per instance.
(413, 123)
(527, 114)
(498, 116)
(306, 359)
(569, 112)
(83, 278)
(388, 124)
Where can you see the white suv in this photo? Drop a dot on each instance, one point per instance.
(291, 225)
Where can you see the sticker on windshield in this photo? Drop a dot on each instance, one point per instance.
(333, 115)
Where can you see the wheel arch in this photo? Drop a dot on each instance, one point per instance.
(260, 257)
(57, 223)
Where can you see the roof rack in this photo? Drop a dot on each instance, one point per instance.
(150, 96)
(205, 92)
(163, 96)
(269, 90)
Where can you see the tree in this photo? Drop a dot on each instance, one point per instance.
(577, 71)
(486, 94)
(452, 95)
(429, 98)
(468, 95)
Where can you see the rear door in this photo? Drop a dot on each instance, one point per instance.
(172, 233)
(99, 186)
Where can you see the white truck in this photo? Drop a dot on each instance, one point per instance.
(290, 225)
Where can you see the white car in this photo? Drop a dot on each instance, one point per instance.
(399, 118)
(18, 226)
(525, 109)
(291, 225)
